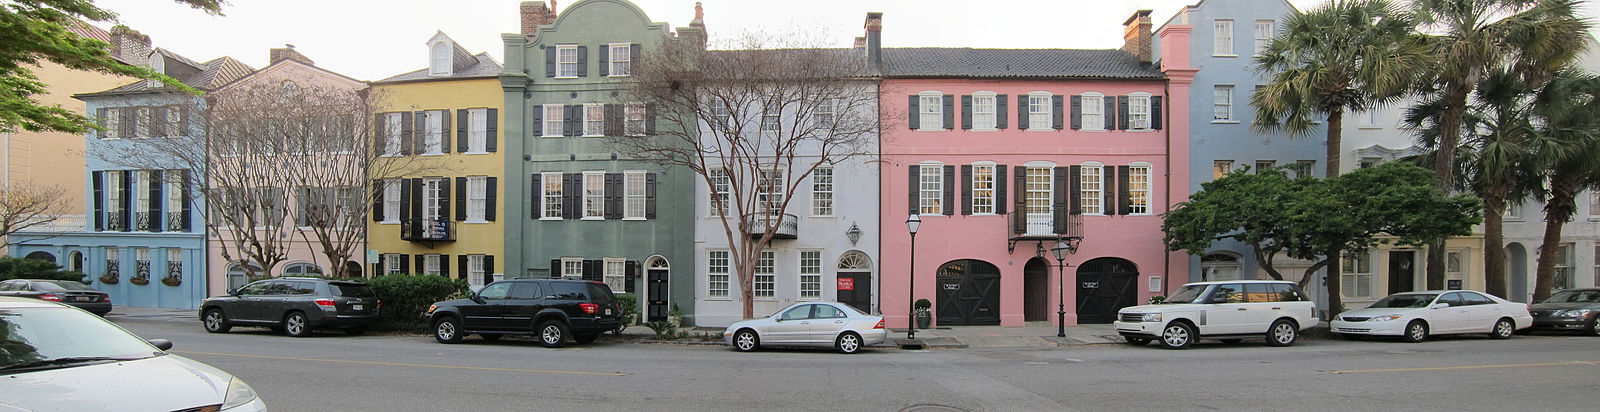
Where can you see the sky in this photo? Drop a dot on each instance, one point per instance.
(376, 39)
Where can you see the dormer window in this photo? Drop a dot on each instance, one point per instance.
(158, 65)
(439, 59)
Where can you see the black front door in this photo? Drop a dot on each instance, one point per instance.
(855, 289)
(1401, 271)
(1105, 286)
(969, 293)
(657, 290)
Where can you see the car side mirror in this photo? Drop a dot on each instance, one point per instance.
(233, 292)
(161, 344)
(1439, 306)
(476, 297)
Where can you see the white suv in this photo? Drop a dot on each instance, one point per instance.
(1227, 310)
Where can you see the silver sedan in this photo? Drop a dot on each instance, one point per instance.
(815, 324)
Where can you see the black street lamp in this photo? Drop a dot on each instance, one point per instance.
(912, 223)
(1063, 248)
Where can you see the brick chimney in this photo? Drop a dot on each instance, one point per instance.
(696, 32)
(288, 53)
(874, 41)
(1137, 35)
(537, 13)
(129, 45)
(861, 42)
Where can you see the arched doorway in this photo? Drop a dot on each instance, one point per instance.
(352, 269)
(42, 255)
(75, 261)
(1517, 258)
(1105, 285)
(302, 269)
(969, 293)
(1219, 266)
(1036, 290)
(237, 277)
(657, 272)
(854, 281)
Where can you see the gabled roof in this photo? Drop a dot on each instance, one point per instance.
(484, 66)
(204, 76)
(89, 31)
(1015, 63)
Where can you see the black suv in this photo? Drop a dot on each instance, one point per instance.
(551, 309)
(293, 306)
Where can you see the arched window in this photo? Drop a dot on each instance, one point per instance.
(238, 277)
(439, 59)
(42, 255)
(1218, 266)
(302, 269)
(855, 260)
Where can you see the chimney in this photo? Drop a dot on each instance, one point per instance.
(535, 14)
(1137, 36)
(288, 53)
(129, 45)
(696, 32)
(874, 41)
(861, 42)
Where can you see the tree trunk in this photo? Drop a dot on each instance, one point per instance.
(1444, 170)
(1331, 275)
(1557, 210)
(1494, 251)
(1263, 258)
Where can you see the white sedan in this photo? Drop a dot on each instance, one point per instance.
(816, 324)
(1413, 316)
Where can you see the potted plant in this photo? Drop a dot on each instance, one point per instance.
(1157, 299)
(924, 314)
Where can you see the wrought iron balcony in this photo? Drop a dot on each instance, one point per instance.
(427, 230)
(115, 222)
(787, 225)
(144, 221)
(175, 222)
(1017, 229)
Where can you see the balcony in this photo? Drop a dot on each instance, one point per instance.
(787, 225)
(145, 221)
(427, 230)
(115, 222)
(1019, 228)
(175, 222)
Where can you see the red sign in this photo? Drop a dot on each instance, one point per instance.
(847, 284)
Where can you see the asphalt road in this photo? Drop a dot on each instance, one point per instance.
(413, 373)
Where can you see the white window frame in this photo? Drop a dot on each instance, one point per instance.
(1091, 192)
(1352, 275)
(621, 63)
(1222, 104)
(141, 194)
(477, 131)
(1039, 180)
(1566, 258)
(391, 201)
(572, 268)
(430, 264)
(717, 274)
(1222, 38)
(433, 136)
(141, 122)
(771, 114)
(551, 192)
(823, 116)
(633, 195)
(594, 120)
(114, 195)
(1594, 208)
(173, 188)
(432, 199)
(930, 116)
(1093, 117)
(810, 279)
(1264, 165)
(770, 190)
(112, 123)
(721, 184)
(1456, 265)
(1264, 30)
(1220, 168)
(1597, 264)
(391, 263)
(1305, 168)
(1136, 193)
(983, 188)
(634, 121)
(822, 191)
(440, 59)
(554, 120)
(475, 272)
(391, 141)
(1139, 112)
(614, 272)
(567, 61)
(477, 199)
(764, 284)
(594, 204)
(930, 183)
(1040, 115)
(984, 117)
(175, 124)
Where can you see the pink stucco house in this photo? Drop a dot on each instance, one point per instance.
(1003, 152)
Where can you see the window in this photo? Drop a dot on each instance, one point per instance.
(391, 200)
(983, 111)
(615, 271)
(770, 111)
(572, 268)
(1038, 186)
(1220, 168)
(1564, 273)
(770, 191)
(810, 274)
(391, 139)
(475, 272)
(175, 264)
(114, 201)
(553, 114)
(1222, 104)
(1139, 111)
(1094, 107)
(634, 115)
(764, 278)
(1594, 206)
(1356, 278)
(113, 261)
(174, 191)
(391, 263)
(1597, 265)
(932, 189)
(1222, 38)
(1367, 162)
(430, 264)
(983, 189)
(1304, 168)
(432, 199)
(594, 120)
(621, 60)
(477, 198)
(930, 113)
(433, 138)
(1217, 266)
(112, 123)
(1513, 211)
(567, 60)
(1139, 190)
(1090, 189)
(1039, 111)
(141, 122)
(439, 59)
(823, 115)
(719, 112)
(1263, 165)
(822, 191)
(717, 273)
(175, 122)
(1263, 35)
(1367, 118)
(477, 131)
(594, 195)
(633, 195)
(721, 184)
(142, 198)
(1455, 265)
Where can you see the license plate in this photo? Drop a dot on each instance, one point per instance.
(82, 299)
(608, 312)
(356, 307)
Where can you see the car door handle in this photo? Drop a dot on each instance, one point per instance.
(805, 323)
(838, 322)
(1277, 308)
(1242, 309)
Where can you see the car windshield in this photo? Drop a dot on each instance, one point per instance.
(35, 335)
(1574, 296)
(1410, 300)
(1186, 294)
(354, 290)
(59, 285)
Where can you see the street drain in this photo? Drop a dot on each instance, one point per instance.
(932, 408)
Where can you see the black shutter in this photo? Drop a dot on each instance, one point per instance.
(650, 196)
(444, 200)
(591, 269)
(550, 61)
(379, 133)
(444, 131)
(128, 121)
(461, 199)
(377, 200)
(1122, 112)
(966, 189)
(555, 268)
(1000, 112)
(605, 59)
(649, 115)
(1075, 189)
(100, 119)
(1107, 178)
(378, 270)
(1057, 116)
(444, 265)
(416, 207)
(572, 120)
(419, 131)
(489, 197)
(463, 141)
(966, 112)
(406, 140)
(405, 264)
(488, 268)
(127, 201)
(491, 125)
(99, 179)
(463, 266)
(302, 205)
(613, 196)
(405, 200)
(1000, 189)
(1109, 115)
(535, 208)
(570, 191)
(184, 198)
(1058, 208)
(913, 111)
(914, 178)
(583, 61)
(1022, 112)
(422, 266)
(1155, 113)
(1019, 215)
(949, 203)
(155, 201)
(633, 56)
(949, 112)
(1126, 205)
(630, 276)
(1077, 112)
(613, 119)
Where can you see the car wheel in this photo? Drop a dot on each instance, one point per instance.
(746, 341)
(552, 334)
(1231, 341)
(215, 321)
(587, 338)
(1416, 331)
(294, 325)
(1282, 333)
(1594, 327)
(848, 343)
(489, 337)
(1177, 335)
(1503, 329)
(357, 331)
(1136, 341)
(447, 330)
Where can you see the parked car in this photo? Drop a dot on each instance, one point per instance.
(1229, 311)
(56, 358)
(1575, 309)
(816, 324)
(65, 291)
(293, 306)
(551, 309)
(1413, 316)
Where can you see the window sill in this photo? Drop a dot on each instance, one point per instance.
(1224, 55)
(566, 77)
(551, 137)
(1224, 121)
(991, 129)
(719, 299)
(1369, 127)
(633, 219)
(431, 154)
(618, 75)
(822, 217)
(984, 214)
(932, 130)
(382, 155)
(1141, 130)
(593, 218)
(474, 222)
(1031, 129)
(593, 135)
(550, 219)
(475, 153)
(389, 222)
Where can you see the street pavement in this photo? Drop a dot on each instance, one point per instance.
(332, 371)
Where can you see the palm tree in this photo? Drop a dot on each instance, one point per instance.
(1476, 37)
(1569, 159)
(1347, 55)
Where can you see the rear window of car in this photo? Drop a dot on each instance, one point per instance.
(63, 285)
(353, 290)
(568, 291)
(601, 293)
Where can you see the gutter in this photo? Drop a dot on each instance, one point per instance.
(1167, 208)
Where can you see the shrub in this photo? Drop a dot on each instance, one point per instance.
(24, 268)
(664, 330)
(630, 307)
(406, 298)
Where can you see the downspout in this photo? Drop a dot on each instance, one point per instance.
(877, 298)
(1166, 89)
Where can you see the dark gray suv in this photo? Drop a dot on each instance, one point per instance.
(293, 306)
(550, 309)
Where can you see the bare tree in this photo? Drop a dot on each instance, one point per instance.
(25, 206)
(754, 121)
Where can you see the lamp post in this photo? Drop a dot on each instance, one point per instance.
(1062, 249)
(912, 223)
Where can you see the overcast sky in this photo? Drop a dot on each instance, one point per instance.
(374, 39)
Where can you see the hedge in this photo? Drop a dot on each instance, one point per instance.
(406, 298)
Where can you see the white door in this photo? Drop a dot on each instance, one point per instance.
(1453, 319)
(1039, 202)
(1482, 312)
(1228, 312)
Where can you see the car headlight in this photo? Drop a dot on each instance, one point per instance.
(1150, 317)
(432, 308)
(239, 393)
(1574, 313)
(1384, 318)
